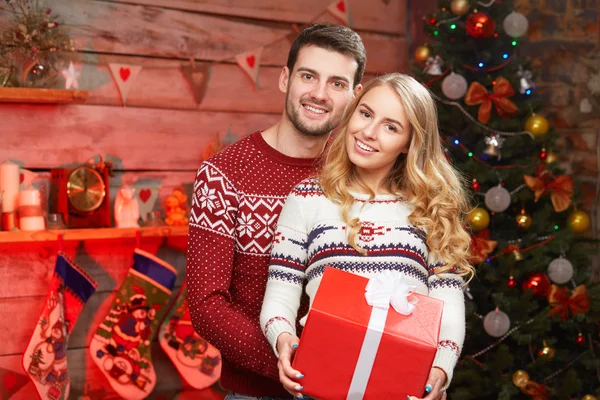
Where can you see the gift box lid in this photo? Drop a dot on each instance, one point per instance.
(342, 295)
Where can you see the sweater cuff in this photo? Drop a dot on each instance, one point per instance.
(445, 359)
(276, 327)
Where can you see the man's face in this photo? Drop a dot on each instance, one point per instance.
(318, 90)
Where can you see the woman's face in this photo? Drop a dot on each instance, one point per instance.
(378, 132)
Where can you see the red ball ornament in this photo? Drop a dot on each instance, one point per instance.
(512, 283)
(580, 338)
(475, 184)
(480, 25)
(543, 155)
(539, 283)
(432, 21)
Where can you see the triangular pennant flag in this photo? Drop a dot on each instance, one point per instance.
(124, 75)
(341, 10)
(197, 75)
(147, 196)
(249, 61)
(294, 33)
(12, 382)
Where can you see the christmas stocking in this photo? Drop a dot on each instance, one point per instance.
(121, 345)
(45, 359)
(197, 361)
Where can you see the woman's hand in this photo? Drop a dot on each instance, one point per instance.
(435, 382)
(286, 346)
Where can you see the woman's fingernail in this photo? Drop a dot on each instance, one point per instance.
(428, 388)
(300, 396)
(294, 345)
(408, 397)
(298, 388)
(299, 376)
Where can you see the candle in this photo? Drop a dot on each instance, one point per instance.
(9, 185)
(31, 217)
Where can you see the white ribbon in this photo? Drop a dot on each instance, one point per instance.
(383, 289)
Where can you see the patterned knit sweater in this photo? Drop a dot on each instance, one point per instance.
(311, 235)
(238, 195)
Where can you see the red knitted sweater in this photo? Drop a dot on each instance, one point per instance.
(238, 195)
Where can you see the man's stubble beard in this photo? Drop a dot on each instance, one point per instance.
(294, 116)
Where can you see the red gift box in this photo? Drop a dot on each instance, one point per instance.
(334, 338)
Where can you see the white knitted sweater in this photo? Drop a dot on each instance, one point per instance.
(311, 235)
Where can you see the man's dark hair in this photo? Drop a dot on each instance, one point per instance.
(331, 37)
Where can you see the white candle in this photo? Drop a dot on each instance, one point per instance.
(9, 185)
(29, 197)
(30, 212)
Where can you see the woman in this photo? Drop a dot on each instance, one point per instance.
(386, 182)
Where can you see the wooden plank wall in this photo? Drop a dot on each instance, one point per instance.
(160, 137)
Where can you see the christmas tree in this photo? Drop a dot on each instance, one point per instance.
(532, 310)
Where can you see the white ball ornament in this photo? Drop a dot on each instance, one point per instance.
(560, 271)
(496, 323)
(497, 199)
(515, 24)
(454, 86)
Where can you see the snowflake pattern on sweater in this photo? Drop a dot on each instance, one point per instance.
(238, 195)
(312, 235)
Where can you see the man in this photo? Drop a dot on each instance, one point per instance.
(238, 195)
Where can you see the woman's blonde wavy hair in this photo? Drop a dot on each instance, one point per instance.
(423, 176)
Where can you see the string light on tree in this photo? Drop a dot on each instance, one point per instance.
(496, 323)
(515, 24)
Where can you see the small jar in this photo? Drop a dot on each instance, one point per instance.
(55, 222)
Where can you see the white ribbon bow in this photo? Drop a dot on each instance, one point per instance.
(390, 287)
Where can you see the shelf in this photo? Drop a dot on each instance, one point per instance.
(93, 234)
(48, 96)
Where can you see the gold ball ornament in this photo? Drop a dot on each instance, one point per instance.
(460, 7)
(537, 125)
(578, 221)
(479, 219)
(547, 352)
(589, 397)
(422, 53)
(524, 221)
(520, 378)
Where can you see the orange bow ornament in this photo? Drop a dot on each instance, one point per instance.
(535, 390)
(560, 301)
(481, 247)
(560, 188)
(478, 94)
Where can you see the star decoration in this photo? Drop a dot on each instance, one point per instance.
(71, 76)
